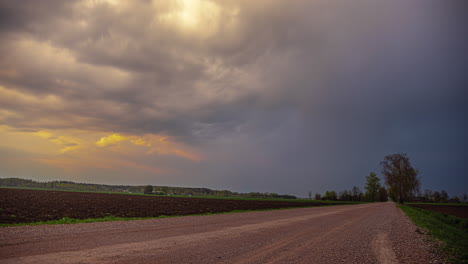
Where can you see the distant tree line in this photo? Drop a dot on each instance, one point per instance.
(146, 189)
(374, 192)
(429, 196)
(354, 195)
(402, 183)
(164, 190)
(69, 185)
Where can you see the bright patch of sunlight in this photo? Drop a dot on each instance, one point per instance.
(197, 16)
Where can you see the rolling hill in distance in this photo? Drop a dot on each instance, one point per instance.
(158, 190)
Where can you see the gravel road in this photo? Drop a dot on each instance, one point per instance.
(368, 233)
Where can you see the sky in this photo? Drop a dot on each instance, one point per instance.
(266, 96)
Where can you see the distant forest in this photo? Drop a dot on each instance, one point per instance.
(158, 190)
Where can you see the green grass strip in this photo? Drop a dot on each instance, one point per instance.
(451, 230)
(67, 220)
(462, 204)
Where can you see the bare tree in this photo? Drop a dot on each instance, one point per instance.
(345, 196)
(436, 197)
(428, 196)
(444, 196)
(400, 176)
(356, 193)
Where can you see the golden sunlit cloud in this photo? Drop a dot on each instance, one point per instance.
(66, 143)
(77, 151)
(39, 141)
(156, 144)
(191, 12)
(80, 142)
(140, 142)
(93, 3)
(26, 141)
(111, 140)
(201, 18)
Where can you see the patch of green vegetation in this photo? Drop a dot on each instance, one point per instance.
(67, 220)
(464, 204)
(451, 230)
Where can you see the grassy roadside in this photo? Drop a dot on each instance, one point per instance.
(459, 204)
(451, 230)
(68, 220)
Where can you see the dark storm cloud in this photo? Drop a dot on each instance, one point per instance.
(310, 94)
(175, 82)
(20, 16)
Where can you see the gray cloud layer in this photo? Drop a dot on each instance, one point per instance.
(283, 96)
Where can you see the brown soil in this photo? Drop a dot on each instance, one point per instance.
(456, 210)
(24, 206)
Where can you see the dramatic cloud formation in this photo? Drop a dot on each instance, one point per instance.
(274, 96)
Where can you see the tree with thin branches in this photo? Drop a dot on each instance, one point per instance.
(401, 178)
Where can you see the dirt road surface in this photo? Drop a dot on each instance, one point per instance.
(367, 233)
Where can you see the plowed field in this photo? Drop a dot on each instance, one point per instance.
(24, 206)
(456, 210)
